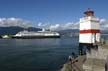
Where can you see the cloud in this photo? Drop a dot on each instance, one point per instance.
(7, 22)
(69, 25)
(40, 24)
(104, 24)
(75, 25)
(55, 27)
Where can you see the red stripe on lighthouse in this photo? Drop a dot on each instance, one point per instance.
(89, 31)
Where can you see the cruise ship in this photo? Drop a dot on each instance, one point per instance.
(39, 34)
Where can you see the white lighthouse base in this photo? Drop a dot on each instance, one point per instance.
(83, 47)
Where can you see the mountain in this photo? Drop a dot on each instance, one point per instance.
(15, 29)
(69, 31)
(33, 29)
(104, 31)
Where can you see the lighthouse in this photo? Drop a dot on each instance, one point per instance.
(89, 31)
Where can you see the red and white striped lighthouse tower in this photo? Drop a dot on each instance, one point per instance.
(89, 31)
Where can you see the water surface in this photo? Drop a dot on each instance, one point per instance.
(35, 54)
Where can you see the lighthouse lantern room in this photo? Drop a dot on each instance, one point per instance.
(89, 31)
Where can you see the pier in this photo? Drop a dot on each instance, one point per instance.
(95, 60)
(77, 66)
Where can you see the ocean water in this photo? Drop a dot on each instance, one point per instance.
(35, 54)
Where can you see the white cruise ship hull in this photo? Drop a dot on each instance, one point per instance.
(32, 37)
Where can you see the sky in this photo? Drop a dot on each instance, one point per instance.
(53, 14)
